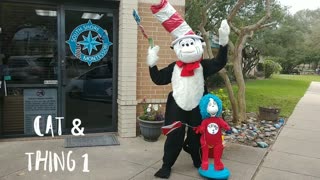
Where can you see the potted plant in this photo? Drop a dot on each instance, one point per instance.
(151, 121)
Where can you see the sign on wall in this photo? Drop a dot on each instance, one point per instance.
(89, 48)
(37, 102)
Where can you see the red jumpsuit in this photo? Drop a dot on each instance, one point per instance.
(210, 129)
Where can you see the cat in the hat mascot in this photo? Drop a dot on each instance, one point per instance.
(187, 76)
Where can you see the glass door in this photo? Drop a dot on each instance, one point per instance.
(88, 82)
(28, 66)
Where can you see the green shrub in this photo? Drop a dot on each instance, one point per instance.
(252, 76)
(215, 81)
(277, 68)
(269, 68)
(225, 101)
(260, 67)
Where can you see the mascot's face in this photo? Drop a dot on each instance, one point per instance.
(188, 50)
(212, 108)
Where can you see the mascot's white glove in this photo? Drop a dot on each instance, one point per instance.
(152, 57)
(224, 32)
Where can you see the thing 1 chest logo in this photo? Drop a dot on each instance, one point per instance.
(89, 42)
(212, 128)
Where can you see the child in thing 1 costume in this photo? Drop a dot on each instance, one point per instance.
(210, 130)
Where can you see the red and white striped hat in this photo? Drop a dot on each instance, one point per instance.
(172, 21)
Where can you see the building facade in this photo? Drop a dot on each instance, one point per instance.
(77, 60)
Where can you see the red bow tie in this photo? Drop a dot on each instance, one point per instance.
(188, 68)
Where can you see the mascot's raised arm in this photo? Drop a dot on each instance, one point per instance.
(187, 74)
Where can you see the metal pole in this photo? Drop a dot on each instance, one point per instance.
(5, 87)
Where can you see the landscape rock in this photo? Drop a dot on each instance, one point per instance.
(262, 144)
(277, 126)
(273, 128)
(253, 132)
(267, 129)
(254, 144)
(234, 130)
(267, 134)
(261, 136)
(274, 133)
(250, 138)
(268, 125)
(281, 121)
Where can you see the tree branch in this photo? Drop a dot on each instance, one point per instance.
(235, 9)
(268, 25)
(234, 28)
(251, 34)
(203, 22)
(262, 20)
(208, 6)
(231, 47)
(202, 29)
(232, 14)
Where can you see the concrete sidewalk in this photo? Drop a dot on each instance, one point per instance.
(296, 153)
(134, 159)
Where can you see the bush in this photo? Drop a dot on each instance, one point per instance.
(269, 68)
(252, 76)
(225, 101)
(287, 65)
(260, 67)
(215, 81)
(277, 68)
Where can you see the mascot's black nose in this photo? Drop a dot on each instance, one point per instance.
(187, 44)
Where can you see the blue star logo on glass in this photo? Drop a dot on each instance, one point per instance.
(99, 43)
(89, 43)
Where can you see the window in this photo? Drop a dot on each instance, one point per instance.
(100, 72)
(28, 42)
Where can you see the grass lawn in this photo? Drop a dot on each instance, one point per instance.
(283, 91)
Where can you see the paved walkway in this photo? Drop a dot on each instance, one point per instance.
(296, 153)
(134, 159)
(294, 156)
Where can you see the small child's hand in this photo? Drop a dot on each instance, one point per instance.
(198, 130)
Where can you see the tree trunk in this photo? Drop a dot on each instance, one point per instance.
(234, 107)
(224, 75)
(239, 77)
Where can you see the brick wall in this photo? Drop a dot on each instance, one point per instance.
(127, 64)
(134, 82)
(145, 87)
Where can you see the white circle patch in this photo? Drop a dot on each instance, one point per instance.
(212, 128)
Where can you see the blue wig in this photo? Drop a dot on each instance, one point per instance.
(204, 104)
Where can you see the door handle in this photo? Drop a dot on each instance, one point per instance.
(63, 73)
